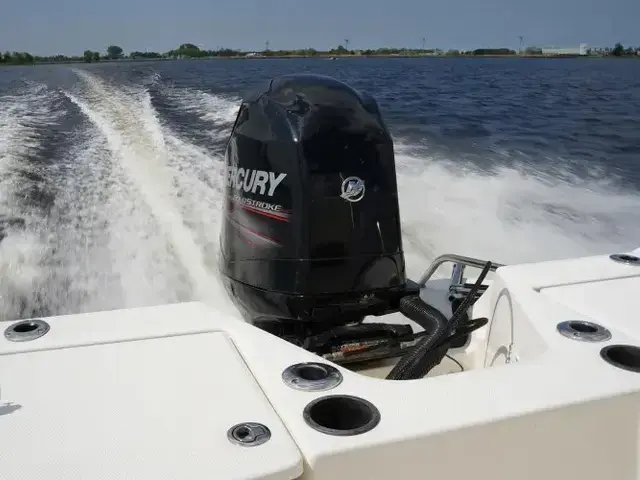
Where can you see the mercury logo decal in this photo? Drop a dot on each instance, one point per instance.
(352, 189)
(254, 181)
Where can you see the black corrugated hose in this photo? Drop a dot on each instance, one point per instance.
(430, 351)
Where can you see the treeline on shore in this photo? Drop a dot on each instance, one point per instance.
(188, 50)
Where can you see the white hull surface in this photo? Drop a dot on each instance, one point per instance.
(151, 393)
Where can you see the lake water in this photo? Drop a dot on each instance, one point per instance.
(116, 168)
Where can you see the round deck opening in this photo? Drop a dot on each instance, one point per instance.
(26, 330)
(341, 415)
(625, 258)
(583, 327)
(312, 376)
(25, 327)
(626, 357)
(583, 331)
(313, 373)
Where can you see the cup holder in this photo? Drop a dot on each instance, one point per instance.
(312, 376)
(341, 415)
(626, 357)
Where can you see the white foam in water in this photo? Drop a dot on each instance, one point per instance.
(212, 108)
(137, 219)
(141, 147)
(218, 111)
(22, 118)
(509, 216)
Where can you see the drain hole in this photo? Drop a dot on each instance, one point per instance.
(25, 327)
(341, 415)
(583, 331)
(26, 330)
(583, 327)
(312, 372)
(626, 357)
(312, 376)
(625, 258)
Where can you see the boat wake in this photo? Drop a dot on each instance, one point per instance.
(120, 189)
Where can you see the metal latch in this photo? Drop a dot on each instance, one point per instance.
(249, 434)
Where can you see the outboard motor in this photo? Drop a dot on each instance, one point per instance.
(311, 241)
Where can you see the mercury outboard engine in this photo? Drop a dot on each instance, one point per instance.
(311, 241)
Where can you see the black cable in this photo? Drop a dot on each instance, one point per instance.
(432, 348)
(455, 361)
(432, 321)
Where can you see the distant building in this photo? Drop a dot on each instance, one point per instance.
(581, 50)
(533, 51)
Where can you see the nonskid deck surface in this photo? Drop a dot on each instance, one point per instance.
(153, 393)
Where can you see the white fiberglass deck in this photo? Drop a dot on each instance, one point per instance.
(97, 403)
(151, 393)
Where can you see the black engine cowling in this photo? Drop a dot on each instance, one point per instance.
(311, 232)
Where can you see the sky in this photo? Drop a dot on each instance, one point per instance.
(46, 27)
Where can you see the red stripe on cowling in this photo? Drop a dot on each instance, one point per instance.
(264, 214)
(253, 232)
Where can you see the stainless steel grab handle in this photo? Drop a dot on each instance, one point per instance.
(459, 262)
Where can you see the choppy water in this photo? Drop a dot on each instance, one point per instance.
(116, 168)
